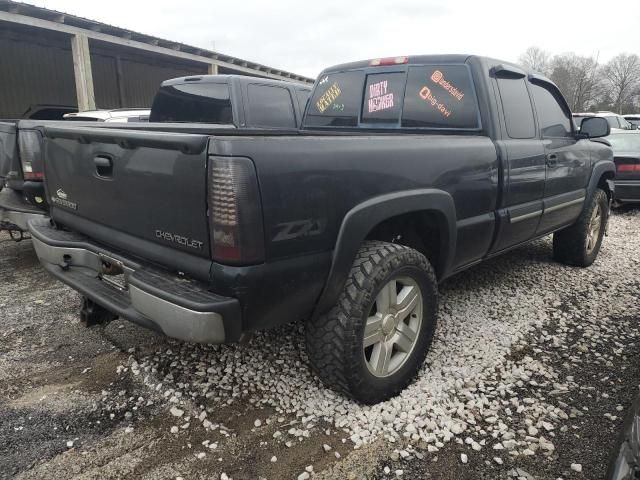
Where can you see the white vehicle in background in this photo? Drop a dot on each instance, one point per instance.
(633, 119)
(615, 120)
(118, 115)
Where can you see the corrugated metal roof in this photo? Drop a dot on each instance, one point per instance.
(94, 26)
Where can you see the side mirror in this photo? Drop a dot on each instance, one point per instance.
(595, 127)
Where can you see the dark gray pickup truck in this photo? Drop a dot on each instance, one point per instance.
(233, 101)
(407, 170)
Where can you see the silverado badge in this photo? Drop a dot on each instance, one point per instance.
(60, 199)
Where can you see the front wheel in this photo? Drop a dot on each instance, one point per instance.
(580, 243)
(370, 345)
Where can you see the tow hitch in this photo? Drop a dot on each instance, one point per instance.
(93, 314)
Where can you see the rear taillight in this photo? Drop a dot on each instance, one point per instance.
(628, 167)
(235, 211)
(30, 151)
(378, 62)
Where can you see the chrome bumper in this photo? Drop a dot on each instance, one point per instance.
(178, 307)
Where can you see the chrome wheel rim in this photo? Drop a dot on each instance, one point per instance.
(393, 326)
(593, 231)
(627, 462)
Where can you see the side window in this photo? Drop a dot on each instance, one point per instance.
(554, 121)
(516, 106)
(270, 106)
(613, 122)
(383, 94)
(440, 96)
(303, 98)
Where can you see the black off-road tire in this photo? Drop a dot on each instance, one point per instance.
(335, 340)
(570, 244)
(92, 314)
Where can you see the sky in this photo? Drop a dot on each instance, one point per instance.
(306, 36)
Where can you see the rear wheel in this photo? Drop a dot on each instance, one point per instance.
(580, 243)
(371, 344)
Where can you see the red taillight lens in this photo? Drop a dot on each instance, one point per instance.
(629, 167)
(235, 211)
(388, 61)
(30, 151)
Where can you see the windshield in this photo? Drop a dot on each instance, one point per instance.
(625, 143)
(196, 102)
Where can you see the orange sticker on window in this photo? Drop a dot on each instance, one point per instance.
(427, 96)
(438, 78)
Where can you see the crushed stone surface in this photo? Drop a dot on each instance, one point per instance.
(530, 359)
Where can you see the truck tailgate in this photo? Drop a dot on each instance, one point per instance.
(118, 185)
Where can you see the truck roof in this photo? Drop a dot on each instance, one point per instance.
(229, 78)
(437, 59)
(421, 59)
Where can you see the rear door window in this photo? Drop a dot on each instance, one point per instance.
(336, 100)
(270, 106)
(516, 106)
(440, 97)
(193, 102)
(554, 120)
(383, 95)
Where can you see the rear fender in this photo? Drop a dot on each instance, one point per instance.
(361, 220)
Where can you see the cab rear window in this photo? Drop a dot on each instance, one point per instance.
(440, 97)
(420, 96)
(196, 102)
(383, 97)
(336, 100)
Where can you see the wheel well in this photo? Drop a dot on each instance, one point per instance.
(602, 183)
(421, 230)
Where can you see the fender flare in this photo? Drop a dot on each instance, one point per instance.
(599, 169)
(362, 218)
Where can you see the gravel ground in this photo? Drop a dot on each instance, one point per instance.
(529, 376)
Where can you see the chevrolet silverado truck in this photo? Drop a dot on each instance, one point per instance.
(235, 101)
(407, 170)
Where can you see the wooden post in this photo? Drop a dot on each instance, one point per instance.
(120, 78)
(82, 70)
(213, 69)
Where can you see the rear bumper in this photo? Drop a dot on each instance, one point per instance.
(179, 307)
(627, 190)
(16, 211)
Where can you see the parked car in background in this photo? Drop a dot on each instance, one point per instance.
(117, 115)
(626, 155)
(47, 112)
(397, 180)
(633, 119)
(615, 121)
(579, 117)
(229, 101)
(238, 100)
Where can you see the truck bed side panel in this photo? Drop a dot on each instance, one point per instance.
(308, 183)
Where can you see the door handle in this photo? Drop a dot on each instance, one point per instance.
(552, 160)
(104, 166)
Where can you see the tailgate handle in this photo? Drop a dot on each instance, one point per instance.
(104, 166)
